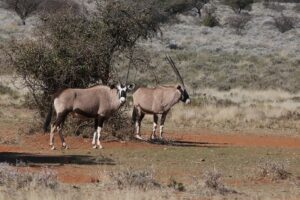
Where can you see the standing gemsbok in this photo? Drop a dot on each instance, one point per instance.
(157, 101)
(98, 102)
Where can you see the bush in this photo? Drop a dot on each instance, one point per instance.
(297, 7)
(272, 5)
(178, 186)
(284, 23)
(210, 21)
(52, 6)
(24, 8)
(238, 22)
(172, 7)
(134, 178)
(239, 5)
(76, 50)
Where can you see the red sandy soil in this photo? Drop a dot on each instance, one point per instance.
(39, 144)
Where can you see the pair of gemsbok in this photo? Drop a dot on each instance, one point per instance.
(100, 102)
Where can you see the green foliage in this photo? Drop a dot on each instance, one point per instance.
(7, 90)
(238, 5)
(77, 50)
(210, 21)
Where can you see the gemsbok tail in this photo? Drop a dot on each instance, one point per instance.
(48, 119)
(134, 112)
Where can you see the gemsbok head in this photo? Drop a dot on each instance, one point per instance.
(157, 101)
(98, 102)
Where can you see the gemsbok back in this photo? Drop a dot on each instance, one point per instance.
(157, 101)
(98, 102)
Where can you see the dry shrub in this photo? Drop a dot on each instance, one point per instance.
(238, 22)
(7, 90)
(177, 186)
(274, 170)
(14, 179)
(142, 179)
(212, 181)
(210, 19)
(284, 23)
(297, 8)
(239, 5)
(273, 5)
(120, 125)
(52, 6)
(24, 8)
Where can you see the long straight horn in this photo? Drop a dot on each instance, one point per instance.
(169, 59)
(117, 77)
(129, 65)
(127, 75)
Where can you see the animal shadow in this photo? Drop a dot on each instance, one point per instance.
(182, 143)
(15, 158)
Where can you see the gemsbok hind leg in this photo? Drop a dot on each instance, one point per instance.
(95, 133)
(155, 120)
(99, 128)
(57, 126)
(139, 117)
(162, 122)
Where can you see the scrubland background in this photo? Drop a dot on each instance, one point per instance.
(241, 78)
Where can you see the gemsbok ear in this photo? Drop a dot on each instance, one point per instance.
(179, 87)
(130, 86)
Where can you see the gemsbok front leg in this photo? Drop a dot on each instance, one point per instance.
(162, 122)
(155, 120)
(99, 128)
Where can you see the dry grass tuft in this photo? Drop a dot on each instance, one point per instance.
(284, 23)
(212, 181)
(274, 170)
(177, 186)
(142, 179)
(14, 179)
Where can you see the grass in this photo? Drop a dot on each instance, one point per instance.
(175, 169)
(224, 70)
(8, 91)
(239, 109)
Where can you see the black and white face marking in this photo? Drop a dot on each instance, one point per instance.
(122, 92)
(184, 95)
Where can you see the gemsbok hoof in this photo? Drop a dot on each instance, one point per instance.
(53, 148)
(138, 137)
(95, 147)
(64, 146)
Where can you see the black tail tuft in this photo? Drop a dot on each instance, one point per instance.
(133, 118)
(48, 119)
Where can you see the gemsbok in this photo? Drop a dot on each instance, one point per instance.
(98, 102)
(157, 101)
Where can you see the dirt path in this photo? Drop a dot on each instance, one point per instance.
(76, 165)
